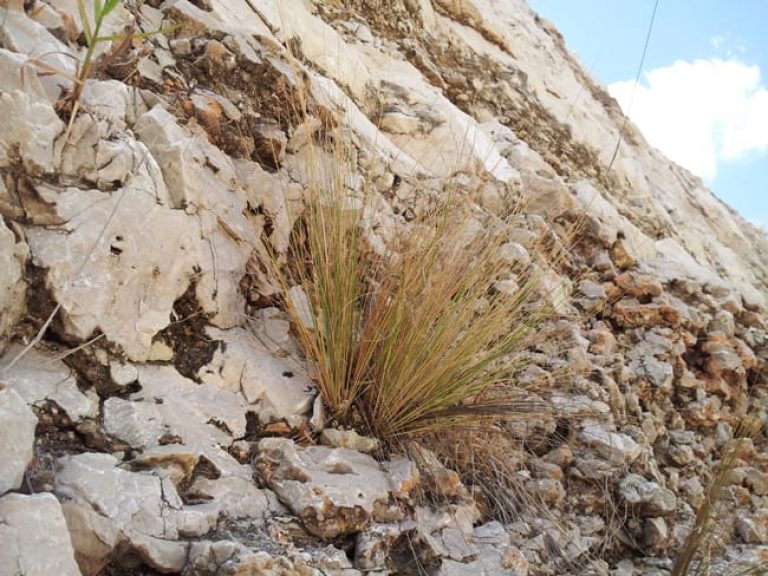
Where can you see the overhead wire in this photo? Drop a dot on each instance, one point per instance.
(634, 88)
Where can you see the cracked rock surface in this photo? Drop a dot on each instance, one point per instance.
(162, 418)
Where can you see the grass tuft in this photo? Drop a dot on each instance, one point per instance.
(407, 339)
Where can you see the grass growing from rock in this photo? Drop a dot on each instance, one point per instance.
(698, 550)
(407, 339)
(92, 26)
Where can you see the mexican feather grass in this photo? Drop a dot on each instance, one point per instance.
(408, 339)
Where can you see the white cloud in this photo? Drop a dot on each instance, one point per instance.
(700, 113)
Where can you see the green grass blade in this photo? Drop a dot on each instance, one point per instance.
(86, 22)
(109, 6)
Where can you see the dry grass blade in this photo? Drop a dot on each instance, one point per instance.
(695, 556)
(432, 350)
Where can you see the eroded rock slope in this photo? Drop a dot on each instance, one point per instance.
(165, 421)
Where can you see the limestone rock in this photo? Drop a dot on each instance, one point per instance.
(281, 202)
(277, 389)
(655, 533)
(29, 38)
(398, 122)
(374, 545)
(232, 558)
(202, 180)
(648, 498)
(547, 490)
(631, 313)
(142, 253)
(754, 530)
(139, 209)
(336, 438)
(334, 491)
(18, 424)
(441, 481)
(222, 557)
(616, 448)
(36, 377)
(140, 265)
(183, 427)
(515, 254)
(723, 361)
(35, 122)
(34, 535)
(658, 374)
(495, 556)
(108, 507)
(431, 535)
(639, 286)
(13, 255)
(123, 374)
(170, 406)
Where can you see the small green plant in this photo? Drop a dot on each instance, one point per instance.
(92, 26)
(411, 340)
(93, 38)
(92, 33)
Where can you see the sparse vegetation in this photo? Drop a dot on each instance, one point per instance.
(700, 547)
(411, 340)
(93, 38)
(92, 28)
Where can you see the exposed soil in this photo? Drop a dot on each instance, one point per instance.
(269, 104)
(186, 336)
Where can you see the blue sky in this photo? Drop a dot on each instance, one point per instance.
(703, 94)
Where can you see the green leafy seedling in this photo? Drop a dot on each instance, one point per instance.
(93, 37)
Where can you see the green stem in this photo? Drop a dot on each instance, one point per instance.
(85, 70)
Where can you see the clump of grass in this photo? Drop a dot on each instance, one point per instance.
(411, 340)
(696, 554)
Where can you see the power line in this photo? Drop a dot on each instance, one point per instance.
(634, 88)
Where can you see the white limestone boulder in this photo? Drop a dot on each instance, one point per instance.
(202, 180)
(44, 52)
(37, 377)
(277, 389)
(110, 508)
(334, 491)
(17, 423)
(168, 405)
(35, 126)
(34, 538)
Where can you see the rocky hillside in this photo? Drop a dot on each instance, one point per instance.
(156, 414)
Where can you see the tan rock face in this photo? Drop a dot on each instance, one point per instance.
(180, 166)
(631, 313)
(334, 491)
